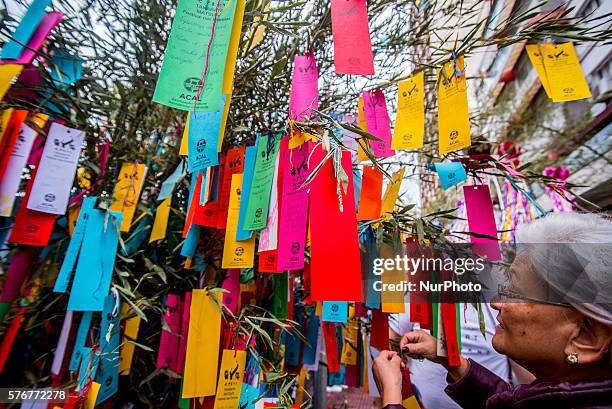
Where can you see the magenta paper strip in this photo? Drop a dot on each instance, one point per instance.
(377, 120)
(294, 210)
(232, 285)
(481, 220)
(47, 23)
(169, 343)
(335, 258)
(186, 304)
(352, 44)
(304, 87)
(60, 350)
(17, 273)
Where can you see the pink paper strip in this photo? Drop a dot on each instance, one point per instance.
(294, 210)
(377, 120)
(232, 285)
(481, 220)
(169, 342)
(352, 44)
(47, 23)
(186, 305)
(60, 350)
(304, 87)
(17, 273)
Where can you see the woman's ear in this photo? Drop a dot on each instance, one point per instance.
(590, 342)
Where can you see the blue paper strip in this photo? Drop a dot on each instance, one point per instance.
(79, 343)
(74, 247)
(335, 311)
(30, 21)
(108, 369)
(312, 335)
(191, 241)
(95, 267)
(203, 138)
(450, 173)
(247, 180)
(169, 184)
(293, 343)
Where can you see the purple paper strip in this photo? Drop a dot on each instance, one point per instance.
(60, 350)
(47, 23)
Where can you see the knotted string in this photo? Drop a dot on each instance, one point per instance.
(210, 41)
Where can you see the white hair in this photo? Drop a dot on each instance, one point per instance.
(572, 253)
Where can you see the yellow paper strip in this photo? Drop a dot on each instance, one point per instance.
(536, 56)
(392, 301)
(361, 122)
(410, 120)
(453, 114)
(236, 254)
(392, 193)
(90, 403)
(127, 348)
(232, 49)
(158, 232)
(230, 379)
(565, 77)
(4, 119)
(8, 72)
(349, 347)
(202, 357)
(184, 149)
(127, 192)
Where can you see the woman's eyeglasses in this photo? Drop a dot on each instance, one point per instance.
(506, 295)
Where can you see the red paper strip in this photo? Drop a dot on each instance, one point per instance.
(169, 341)
(19, 269)
(267, 261)
(194, 206)
(449, 321)
(352, 44)
(7, 141)
(9, 336)
(234, 163)
(420, 301)
(371, 194)
(31, 228)
(379, 336)
(335, 257)
(481, 220)
(331, 346)
(407, 390)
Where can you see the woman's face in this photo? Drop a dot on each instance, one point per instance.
(533, 334)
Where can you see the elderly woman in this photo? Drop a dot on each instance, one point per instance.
(555, 319)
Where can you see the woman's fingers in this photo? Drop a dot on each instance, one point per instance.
(419, 344)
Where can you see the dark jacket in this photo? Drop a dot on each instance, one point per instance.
(481, 388)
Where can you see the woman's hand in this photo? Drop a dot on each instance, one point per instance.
(388, 377)
(418, 345)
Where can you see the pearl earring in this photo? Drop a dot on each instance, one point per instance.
(572, 358)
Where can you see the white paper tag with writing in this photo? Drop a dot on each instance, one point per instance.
(51, 188)
(14, 169)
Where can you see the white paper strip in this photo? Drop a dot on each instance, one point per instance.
(12, 176)
(51, 189)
